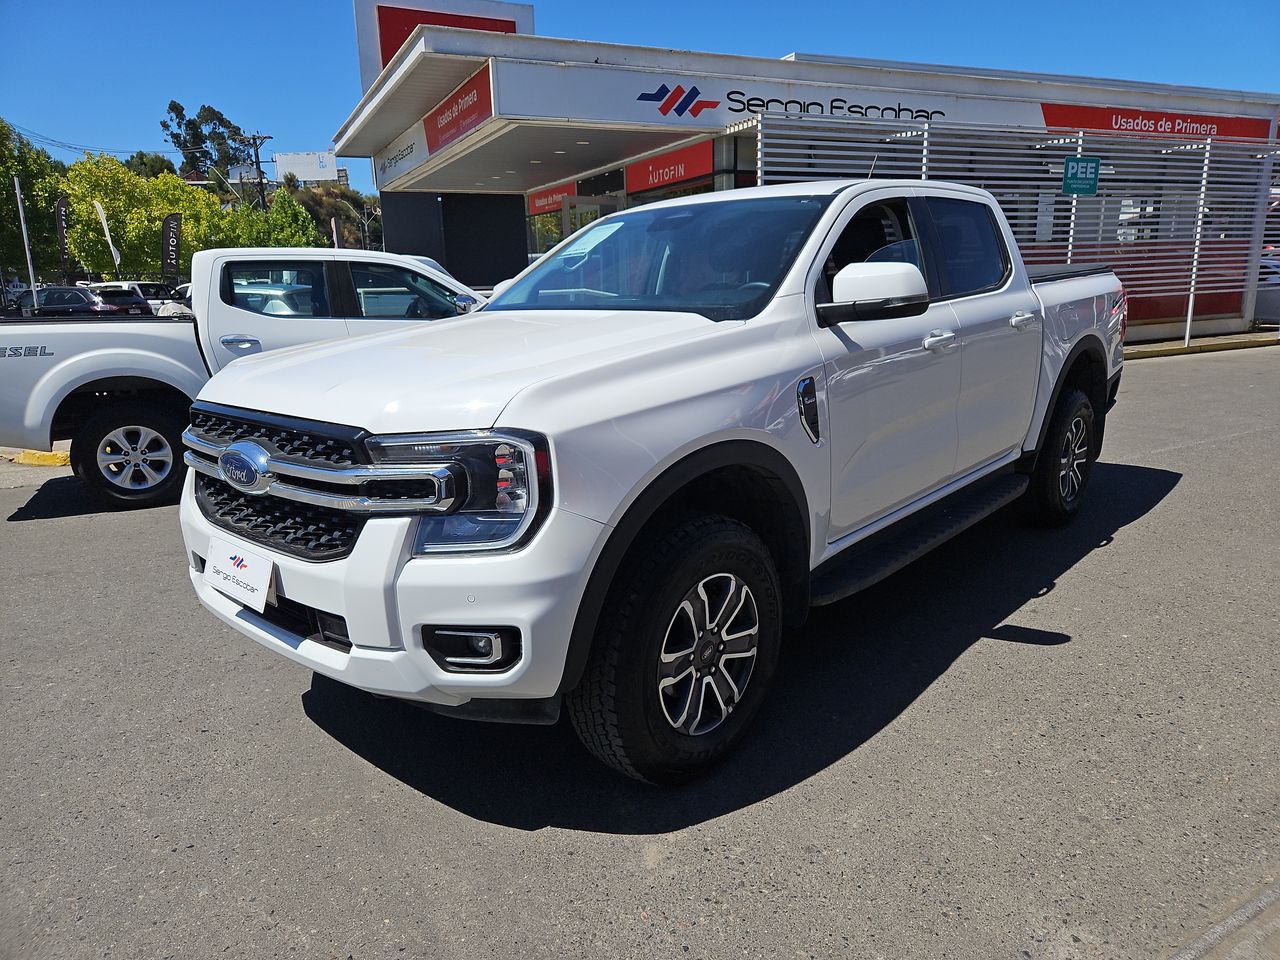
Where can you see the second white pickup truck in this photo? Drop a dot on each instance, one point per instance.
(119, 388)
(613, 487)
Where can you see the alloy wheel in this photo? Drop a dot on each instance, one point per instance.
(135, 458)
(708, 654)
(1074, 458)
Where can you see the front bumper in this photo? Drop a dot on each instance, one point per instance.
(387, 596)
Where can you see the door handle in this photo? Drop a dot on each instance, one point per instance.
(938, 340)
(1021, 319)
(240, 340)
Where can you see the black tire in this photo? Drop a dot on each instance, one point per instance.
(135, 488)
(1065, 463)
(619, 709)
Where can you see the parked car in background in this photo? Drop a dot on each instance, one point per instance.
(1267, 308)
(64, 302)
(125, 299)
(121, 391)
(156, 294)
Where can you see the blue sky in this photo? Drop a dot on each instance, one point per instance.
(101, 74)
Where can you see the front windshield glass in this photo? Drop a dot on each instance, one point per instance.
(722, 259)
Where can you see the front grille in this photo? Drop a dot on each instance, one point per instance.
(291, 442)
(298, 529)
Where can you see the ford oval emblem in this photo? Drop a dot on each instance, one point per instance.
(246, 466)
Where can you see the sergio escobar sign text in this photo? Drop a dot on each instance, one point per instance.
(739, 102)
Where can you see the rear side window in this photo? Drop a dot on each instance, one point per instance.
(972, 256)
(277, 288)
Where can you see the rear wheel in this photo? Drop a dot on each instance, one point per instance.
(129, 454)
(1065, 463)
(687, 647)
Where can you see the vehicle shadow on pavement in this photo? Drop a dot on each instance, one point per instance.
(846, 675)
(59, 498)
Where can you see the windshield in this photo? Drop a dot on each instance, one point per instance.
(722, 259)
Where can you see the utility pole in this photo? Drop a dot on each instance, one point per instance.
(256, 140)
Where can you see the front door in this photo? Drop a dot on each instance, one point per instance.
(264, 304)
(892, 385)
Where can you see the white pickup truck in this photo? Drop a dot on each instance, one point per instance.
(120, 389)
(656, 448)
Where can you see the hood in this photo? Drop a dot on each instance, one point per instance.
(445, 375)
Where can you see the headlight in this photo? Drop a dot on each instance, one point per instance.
(507, 481)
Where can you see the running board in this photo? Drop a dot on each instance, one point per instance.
(889, 551)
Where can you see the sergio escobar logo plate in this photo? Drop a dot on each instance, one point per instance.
(244, 577)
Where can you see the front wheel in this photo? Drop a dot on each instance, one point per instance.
(129, 454)
(687, 646)
(1066, 461)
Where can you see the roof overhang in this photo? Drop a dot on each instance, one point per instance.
(564, 108)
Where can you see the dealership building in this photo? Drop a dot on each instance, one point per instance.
(490, 142)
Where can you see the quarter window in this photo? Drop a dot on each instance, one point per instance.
(972, 255)
(277, 288)
(383, 290)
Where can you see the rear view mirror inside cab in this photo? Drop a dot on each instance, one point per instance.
(875, 291)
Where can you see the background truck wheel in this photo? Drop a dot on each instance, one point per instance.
(685, 651)
(1062, 471)
(130, 454)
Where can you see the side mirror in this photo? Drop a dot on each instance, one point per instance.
(465, 303)
(501, 287)
(875, 291)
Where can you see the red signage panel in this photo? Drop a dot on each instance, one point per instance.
(396, 23)
(460, 112)
(1157, 123)
(551, 198)
(675, 166)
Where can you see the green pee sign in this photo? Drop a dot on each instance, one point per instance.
(1080, 176)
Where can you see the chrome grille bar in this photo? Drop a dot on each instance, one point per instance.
(203, 458)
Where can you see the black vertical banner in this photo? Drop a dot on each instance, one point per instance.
(60, 219)
(170, 245)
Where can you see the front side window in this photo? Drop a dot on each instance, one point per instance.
(277, 289)
(383, 290)
(723, 259)
(880, 232)
(972, 255)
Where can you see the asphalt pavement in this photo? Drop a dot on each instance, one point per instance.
(1031, 744)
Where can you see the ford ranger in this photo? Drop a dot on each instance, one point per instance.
(119, 387)
(616, 486)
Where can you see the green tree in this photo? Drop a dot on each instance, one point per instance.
(291, 225)
(351, 206)
(33, 167)
(206, 140)
(149, 164)
(245, 226)
(135, 207)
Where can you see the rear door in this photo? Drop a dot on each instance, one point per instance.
(892, 385)
(261, 303)
(985, 283)
(385, 296)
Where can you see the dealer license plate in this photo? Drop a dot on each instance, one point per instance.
(243, 576)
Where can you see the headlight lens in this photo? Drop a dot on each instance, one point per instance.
(508, 486)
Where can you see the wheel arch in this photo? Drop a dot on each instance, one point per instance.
(746, 480)
(1085, 366)
(84, 399)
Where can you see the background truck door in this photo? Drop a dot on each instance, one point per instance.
(1001, 326)
(264, 304)
(385, 296)
(892, 385)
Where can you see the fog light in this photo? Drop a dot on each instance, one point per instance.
(472, 649)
